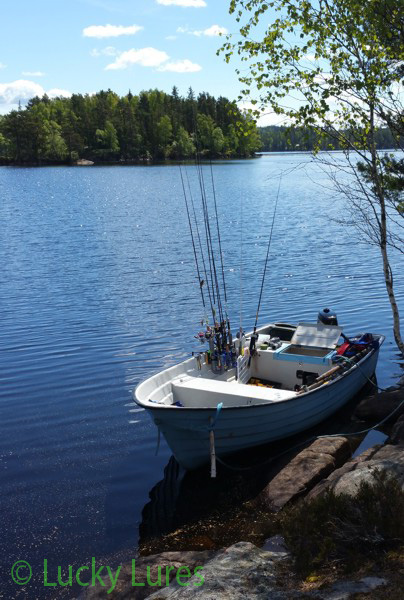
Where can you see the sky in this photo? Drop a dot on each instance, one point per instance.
(83, 46)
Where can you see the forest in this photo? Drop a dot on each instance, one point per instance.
(280, 138)
(151, 126)
(146, 127)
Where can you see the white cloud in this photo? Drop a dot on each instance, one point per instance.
(146, 57)
(23, 90)
(181, 66)
(105, 31)
(171, 38)
(20, 90)
(213, 31)
(108, 51)
(57, 93)
(2, 65)
(194, 3)
(33, 73)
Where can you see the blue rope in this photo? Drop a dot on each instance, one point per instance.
(218, 409)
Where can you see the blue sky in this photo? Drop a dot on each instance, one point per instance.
(83, 46)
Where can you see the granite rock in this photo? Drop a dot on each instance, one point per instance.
(397, 433)
(379, 406)
(239, 572)
(347, 480)
(124, 588)
(306, 469)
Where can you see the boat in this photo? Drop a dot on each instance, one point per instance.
(269, 384)
(257, 387)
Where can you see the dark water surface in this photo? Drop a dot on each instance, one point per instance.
(98, 291)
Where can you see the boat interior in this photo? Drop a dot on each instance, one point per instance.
(286, 358)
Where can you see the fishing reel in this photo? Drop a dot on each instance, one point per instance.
(201, 336)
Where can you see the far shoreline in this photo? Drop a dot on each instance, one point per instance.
(126, 163)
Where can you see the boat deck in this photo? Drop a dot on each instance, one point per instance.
(202, 392)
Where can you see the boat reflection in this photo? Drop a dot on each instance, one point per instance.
(193, 511)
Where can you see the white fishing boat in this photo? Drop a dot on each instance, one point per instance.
(270, 384)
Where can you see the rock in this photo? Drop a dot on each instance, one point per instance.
(349, 466)
(276, 544)
(343, 590)
(389, 459)
(306, 469)
(348, 479)
(83, 162)
(378, 407)
(124, 588)
(397, 433)
(245, 571)
(239, 572)
(242, 571)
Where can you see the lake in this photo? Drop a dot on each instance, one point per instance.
(98, 290)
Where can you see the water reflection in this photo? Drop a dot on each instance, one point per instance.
(189, 510)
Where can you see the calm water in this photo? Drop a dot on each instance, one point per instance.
(98, 290)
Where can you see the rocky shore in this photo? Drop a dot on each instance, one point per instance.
(320, 489)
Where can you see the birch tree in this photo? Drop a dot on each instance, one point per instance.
(335, 67)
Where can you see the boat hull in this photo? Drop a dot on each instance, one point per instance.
(187, 430)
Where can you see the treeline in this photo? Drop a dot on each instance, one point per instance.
(280, 139)
(106, 127)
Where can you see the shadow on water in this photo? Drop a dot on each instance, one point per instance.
(189, 510)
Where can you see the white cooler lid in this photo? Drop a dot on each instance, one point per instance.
(317, 335)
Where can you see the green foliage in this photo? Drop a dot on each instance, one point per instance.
(164, 134)
(183, 146)
(104, 126)
(55, 148)
(280, 138)
(393, 180)
(337, 58)
(334, 68)
(107, 140)
(4, 146)
(344, 530)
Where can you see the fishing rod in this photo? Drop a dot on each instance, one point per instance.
(222, 323)
(200, 245)
(193, 241)
(254, 335)
(208, 233)
(206, 223)
(221, 345)
(220, 250)
(209, 243)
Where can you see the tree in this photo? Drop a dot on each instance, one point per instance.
(183, 146)
(55, 147)
(105, 126)
(164, 134)
(335, 67)
(4, 146)
(107, 140)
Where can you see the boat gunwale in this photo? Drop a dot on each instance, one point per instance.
(155, 406)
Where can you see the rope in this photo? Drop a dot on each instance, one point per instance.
(350, 361)
(315, 437)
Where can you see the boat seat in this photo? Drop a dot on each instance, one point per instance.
(202, 392)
